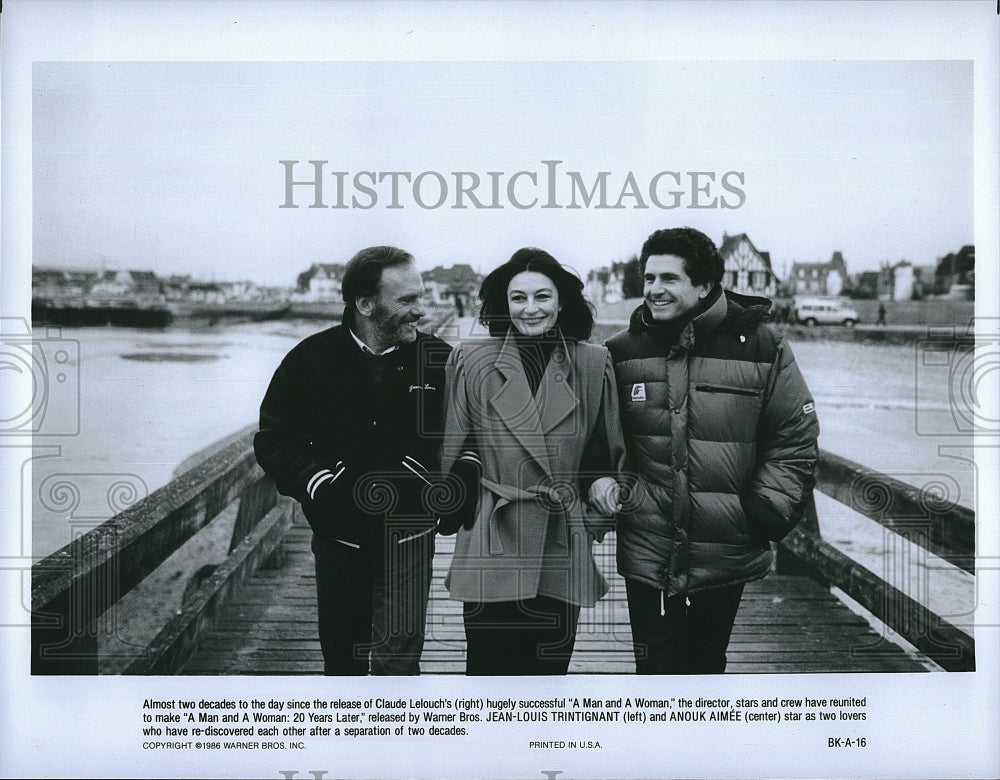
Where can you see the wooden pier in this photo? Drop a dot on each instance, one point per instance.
(786, 624)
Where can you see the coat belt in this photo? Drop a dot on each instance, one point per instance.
(508, 494)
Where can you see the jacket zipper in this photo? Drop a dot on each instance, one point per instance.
(726, 389)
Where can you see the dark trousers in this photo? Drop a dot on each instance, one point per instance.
(373, 604)
(681, 634)
(535, 636)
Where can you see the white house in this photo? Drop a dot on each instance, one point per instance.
(748, 271)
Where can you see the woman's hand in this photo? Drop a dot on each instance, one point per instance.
(604, 496)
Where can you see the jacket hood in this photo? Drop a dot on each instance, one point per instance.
(746, 311)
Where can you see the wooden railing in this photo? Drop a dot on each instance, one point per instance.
(921, 518)
(74, 587)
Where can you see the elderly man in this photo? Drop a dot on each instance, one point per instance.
(351, 427)
(721, 432)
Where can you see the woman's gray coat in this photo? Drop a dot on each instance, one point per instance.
(534, 532)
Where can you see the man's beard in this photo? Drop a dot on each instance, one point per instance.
(391, 331)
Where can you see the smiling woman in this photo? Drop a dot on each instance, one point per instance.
(533, 302)
(532, 427)
(534, 288)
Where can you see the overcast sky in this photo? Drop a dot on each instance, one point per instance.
(175, 167)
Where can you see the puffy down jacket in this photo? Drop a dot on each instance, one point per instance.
(721, 432)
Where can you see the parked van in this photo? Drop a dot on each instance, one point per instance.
(824, 311)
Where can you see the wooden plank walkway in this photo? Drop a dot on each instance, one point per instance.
(786, 624)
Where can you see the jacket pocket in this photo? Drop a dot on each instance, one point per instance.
(730, 389)
(724, 412)
(765, 521)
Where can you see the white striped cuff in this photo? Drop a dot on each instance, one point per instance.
(471, 456)
(322, 477)
(418, 468)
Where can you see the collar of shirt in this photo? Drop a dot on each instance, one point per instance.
(365, 348)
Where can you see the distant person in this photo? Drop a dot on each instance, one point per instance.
(459, 306)
(533, 435)
(881, 314)
(350, 427)
(721, 434)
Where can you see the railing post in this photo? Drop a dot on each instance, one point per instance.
(65, 629)
(276, 559)
(257, 500)
(58, 644)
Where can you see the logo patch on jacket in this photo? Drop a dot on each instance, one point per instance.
(808, 408)
(639, 391)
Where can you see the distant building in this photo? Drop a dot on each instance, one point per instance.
(829, 278)
(175, 287)
(321, 283)
(923, 281)
(902, 281)
(60, 283)
(126, 283)
(244, 290)
(447, 285)
(874, 285)
(80, 279)
(605, 285)
(206, 292)
(107, 283)
(747, 270)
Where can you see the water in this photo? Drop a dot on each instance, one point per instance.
(147, 401)
(888, 408)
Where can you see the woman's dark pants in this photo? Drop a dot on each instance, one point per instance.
(535, 636)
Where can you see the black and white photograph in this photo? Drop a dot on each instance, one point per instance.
(465, 389)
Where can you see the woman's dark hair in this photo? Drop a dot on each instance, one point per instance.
(576, 317)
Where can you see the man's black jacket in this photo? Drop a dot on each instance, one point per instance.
(321, 409)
